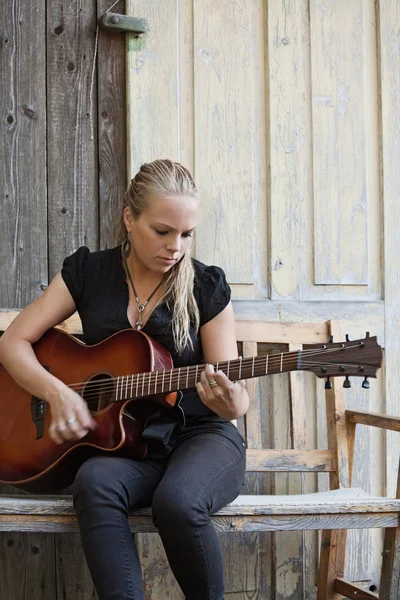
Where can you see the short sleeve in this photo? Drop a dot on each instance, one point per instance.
(73, 273)
(214, 293)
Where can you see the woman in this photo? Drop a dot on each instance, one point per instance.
(149, 281)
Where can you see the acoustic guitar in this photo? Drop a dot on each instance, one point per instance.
(124, 380)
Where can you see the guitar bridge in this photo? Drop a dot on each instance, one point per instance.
(38, 413)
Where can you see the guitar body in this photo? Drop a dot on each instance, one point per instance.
(29, 459)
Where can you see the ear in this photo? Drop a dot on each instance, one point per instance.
(128, 219)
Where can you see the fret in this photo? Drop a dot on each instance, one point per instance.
(116, 392)
(252, 367)
(170, 381)
(281, 360)
(125, 385)
(227, 371)
(155, 384)
(132, 376)
(240, 367)
(179, 374)
(143, 384)
(137, 385)
(217, 367)
(266, 368)
(148, 389)
(162, 383)
(196, 375)
(187, 377)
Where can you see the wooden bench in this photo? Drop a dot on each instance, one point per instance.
(332, 512)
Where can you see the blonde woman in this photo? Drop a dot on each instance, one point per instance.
(148, 281)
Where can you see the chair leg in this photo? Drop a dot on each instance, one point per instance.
(331, 564)
(390, 575)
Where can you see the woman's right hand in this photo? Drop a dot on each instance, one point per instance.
(70, 416)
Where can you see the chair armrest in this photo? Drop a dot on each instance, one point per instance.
(374, 419)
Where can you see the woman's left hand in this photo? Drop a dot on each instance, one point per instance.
(228, 399)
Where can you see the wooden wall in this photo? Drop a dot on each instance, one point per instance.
(287, 113)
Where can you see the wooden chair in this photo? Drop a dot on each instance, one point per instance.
(332, 512)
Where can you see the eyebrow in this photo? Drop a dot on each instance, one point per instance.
(158, 223)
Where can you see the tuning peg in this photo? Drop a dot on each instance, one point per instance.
(328, 384)
(365, 384)
(331, 339)
(347, 337)
(347, 382)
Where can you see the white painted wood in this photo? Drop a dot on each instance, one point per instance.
(339, 142)
(389, 45)
(229, 122)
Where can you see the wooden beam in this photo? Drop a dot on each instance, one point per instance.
(373, 419)
(350, 590)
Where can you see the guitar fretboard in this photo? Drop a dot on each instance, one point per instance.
(181, 378)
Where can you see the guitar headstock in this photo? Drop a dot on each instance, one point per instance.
(351, 358)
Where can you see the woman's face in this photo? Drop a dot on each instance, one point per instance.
(163, 232)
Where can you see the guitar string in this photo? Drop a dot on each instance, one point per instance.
(188, 372)
(285, 358)
(108, 384)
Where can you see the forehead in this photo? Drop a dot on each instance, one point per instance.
(178, 211)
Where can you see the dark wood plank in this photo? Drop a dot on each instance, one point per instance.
(111, 98)
(23, 195)
(69, 558)
(24, 559)
(27, 566)
(72, 156)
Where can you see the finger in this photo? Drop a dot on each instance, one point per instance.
(55, 436)
(77, 430)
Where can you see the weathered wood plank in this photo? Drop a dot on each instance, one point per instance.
(23, 233)
(284, 210)
(338, 111)
(72, 165)
(388, 32)
(27, 566)
(345, 500)
(111, 111)
(69, 558)
(374, 419)
(228, 47)
(224, 523)
(350, 590)
(23, 191)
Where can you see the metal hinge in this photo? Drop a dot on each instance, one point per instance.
(113, 22)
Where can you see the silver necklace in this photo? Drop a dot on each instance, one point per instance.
(140, 305)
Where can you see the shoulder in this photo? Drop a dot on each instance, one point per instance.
(85, 259)
(84, 270)
(206, 274)
(211, 290)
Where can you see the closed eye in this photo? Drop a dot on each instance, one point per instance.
(186, 234)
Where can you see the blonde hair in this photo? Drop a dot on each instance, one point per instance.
(162, 177)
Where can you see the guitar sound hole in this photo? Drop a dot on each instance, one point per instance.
(98, 392)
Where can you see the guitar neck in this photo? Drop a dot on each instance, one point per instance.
(182, 378)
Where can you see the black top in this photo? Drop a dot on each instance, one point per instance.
(98, 286)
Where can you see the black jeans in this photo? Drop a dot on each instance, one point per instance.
(204, 473)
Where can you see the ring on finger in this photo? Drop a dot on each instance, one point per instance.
(213, 383)
(71, 420)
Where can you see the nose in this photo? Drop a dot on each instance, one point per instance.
(174, 244)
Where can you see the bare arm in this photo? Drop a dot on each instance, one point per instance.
(18, 357)
(229, 400)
